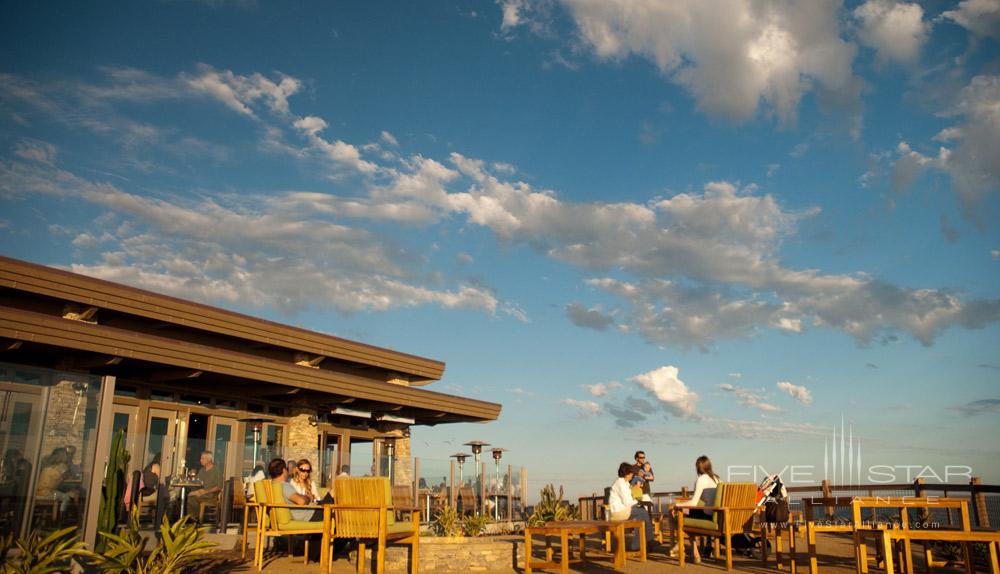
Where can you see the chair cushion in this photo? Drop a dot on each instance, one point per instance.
(282, 515)
(700, 523)
(399, 528)
(300, 525)
(260, 489)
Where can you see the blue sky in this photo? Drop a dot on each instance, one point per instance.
(690, 227)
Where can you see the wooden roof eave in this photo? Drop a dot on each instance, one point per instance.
(85, 290)
(30, 326)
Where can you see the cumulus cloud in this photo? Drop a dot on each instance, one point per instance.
(584, 409)
(799, 393)
(896, 30)
(602, 389)
(592, 318)
(750, 397)
(969, 155)
(670, 393)
(732, 55)
(981, 17)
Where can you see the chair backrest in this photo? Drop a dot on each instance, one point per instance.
(262, 494)
(364, 491)
(741, 495)
(282, 516)
(467, 498)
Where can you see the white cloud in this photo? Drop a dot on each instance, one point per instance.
(896, 30)
(511, 10)
(750, 397)
(585, 408)
(732, 55)
(995, 254)
(981, 17)
(593, 318)
(35, 150)
(242, 93)
(973, 161)
(669, 391)
(797, 392)
(389, 139)
(602, 389)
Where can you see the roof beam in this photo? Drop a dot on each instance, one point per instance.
(174, 375)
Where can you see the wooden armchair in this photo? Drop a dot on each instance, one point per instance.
(735, 506)
(466, 499)
(365, 511)
(274, 518)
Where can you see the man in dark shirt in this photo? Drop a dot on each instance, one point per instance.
(210, 476)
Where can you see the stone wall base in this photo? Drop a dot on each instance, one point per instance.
(440, 555)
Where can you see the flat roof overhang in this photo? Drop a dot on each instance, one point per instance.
(254, 373)
(64, 285)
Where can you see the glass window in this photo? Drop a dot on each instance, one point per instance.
(161, 395)
(125, 391)
(60, 461)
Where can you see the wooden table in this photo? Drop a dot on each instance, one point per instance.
(580, 529)
(886, 534)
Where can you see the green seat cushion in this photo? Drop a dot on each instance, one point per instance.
(283, 515)
(399, 528)
(700, 523)
(260, 495)
(300, 525)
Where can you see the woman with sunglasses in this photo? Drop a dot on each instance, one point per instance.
(302, 481)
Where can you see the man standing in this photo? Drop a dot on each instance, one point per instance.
(210, 476)
(643, 475)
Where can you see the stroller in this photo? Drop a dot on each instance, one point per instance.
(772, 495)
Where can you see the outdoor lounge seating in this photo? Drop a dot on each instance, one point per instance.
(365, 511)
(735, 506)
(274, 518)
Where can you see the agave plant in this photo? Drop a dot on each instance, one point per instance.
(475, 525)
(446, 522)
(40, 554)
(180, 547)
(552, 508)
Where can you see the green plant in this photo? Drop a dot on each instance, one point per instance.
(552, 508)
(475, 525)
(41, 554)
(113, 491)
(181, 545)
(446, 522)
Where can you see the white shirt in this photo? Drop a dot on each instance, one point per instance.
(620, 501)
(704, 488)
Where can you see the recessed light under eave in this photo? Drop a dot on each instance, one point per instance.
(352, 413)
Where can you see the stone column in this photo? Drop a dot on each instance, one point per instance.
(303, 436)
(404, 463)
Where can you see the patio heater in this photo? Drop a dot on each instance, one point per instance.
(477, 449)
(257, 426)
(497, 455)
(390, 450)
(460, 459)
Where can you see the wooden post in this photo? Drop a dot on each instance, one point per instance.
(827, 493)
(979, 503)
(482, 488)
(510, 493)
(416, 481)
(451, 485)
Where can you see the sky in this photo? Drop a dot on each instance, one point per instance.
(757, 230)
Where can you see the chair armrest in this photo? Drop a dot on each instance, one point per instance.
(293, 506)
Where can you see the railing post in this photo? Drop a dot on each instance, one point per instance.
(482, 488)
(979, 503)
(918, 487)
(827, 493)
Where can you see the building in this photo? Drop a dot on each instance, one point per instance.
(81, 357)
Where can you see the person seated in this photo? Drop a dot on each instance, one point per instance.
(623, 506)
(300, 477)
(256, 475)
(278, 469)
(704, 495)
(210, 476)
(50, 479)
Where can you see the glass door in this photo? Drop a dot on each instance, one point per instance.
(161, 435)
(330, 463)
(124, 417)
(220, 441)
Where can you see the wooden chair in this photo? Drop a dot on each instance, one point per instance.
(274, 518)
(249, 507)
(466, 499)
(402, 496)
(365, 511)
(735, 506)
(213, 505)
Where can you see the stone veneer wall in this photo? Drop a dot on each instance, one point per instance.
(303, 437)
(439, 555)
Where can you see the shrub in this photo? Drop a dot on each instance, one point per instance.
(446, 522)
(181, 545)
(475, 525)
(41, 554)
(552, 508)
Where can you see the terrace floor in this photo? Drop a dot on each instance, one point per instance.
(836, 556)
